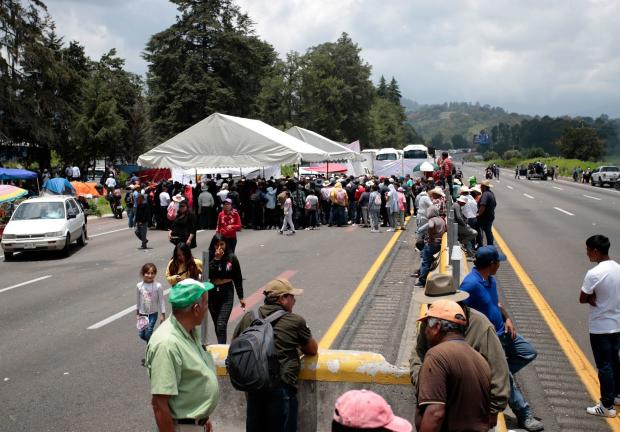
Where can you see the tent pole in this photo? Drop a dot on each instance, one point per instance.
(327, 174)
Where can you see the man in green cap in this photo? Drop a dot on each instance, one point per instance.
(182, 374)
(275, 410)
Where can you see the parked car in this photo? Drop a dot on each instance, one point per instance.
(44, 223)
(605, 174)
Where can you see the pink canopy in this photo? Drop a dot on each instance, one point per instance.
(322, 168)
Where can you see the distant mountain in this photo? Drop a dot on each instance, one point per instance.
(454, 118)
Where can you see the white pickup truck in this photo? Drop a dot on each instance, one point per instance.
(605, 174)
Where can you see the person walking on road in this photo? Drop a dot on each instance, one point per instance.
(479, 334)
(454, 388)
(228, 223)
(275, 410)
(374, 208)
(183, 228)
(183, 265)
(225, 274)
(601, 290)
(287, 209)
(183, 382)
(486, 211)
(481, 285)
(206, 206)
(150, 301)
(142, 217)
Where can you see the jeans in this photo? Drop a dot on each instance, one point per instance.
(130, 214)
(272, 410)
(146, 332)
(364, 211)
(311, 221)
(221, 300)
(427, 260)
(374, 218)
(288, 220)
(519, 353)
(605, 348)
(352, 211)
(487, 228)
(141, 230)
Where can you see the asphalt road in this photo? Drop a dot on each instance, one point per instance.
(546, 224)
(56, 374)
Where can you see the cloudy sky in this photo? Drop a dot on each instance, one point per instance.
(551, 57)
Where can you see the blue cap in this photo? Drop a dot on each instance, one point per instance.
(487, 255)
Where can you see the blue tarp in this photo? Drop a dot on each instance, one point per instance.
(16, 174)
(59, 186)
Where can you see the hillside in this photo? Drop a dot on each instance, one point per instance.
(454, 118)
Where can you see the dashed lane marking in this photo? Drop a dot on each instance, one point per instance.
(509, 187)
(577, 358)
(25, 283)
(108, 232)
(564, 211)
(558, 188)
(591, 197)
(528, 196)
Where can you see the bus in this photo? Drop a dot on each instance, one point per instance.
(387, 154)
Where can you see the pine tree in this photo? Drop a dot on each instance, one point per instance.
(393, 92)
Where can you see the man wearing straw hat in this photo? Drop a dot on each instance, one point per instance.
(479, 334)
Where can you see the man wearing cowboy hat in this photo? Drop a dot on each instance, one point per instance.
(454, 388)
(486, 210)
(479, 334)
(439, 199)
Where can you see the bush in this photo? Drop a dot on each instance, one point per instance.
(535, 152)
(490, 155)
(512, 154)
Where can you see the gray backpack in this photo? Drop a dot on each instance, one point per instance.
(252, 361)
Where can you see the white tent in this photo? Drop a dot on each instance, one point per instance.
(225, 141)
(336, 151)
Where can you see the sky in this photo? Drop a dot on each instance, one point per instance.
(554, 57)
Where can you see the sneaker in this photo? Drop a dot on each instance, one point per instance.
(599, 410)
(617, 400)
(308, 229)
(281, 232)
(389, 230)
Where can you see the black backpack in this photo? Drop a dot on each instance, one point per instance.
(252, 361)
(129, 198)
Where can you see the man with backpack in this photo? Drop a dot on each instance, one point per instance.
(272, 405)
(340, 201)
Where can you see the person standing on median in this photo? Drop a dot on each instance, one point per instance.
(479, 334)
(481, 285)
(486, 211)
(601, 290)
(275, 410)
(454, 388)
(182, 375)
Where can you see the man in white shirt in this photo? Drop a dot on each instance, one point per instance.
(75, 172)
(110, 183)
(164, 201)
(601, 290)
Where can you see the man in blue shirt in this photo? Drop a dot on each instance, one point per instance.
(482, 288)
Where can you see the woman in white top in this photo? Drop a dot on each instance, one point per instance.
(150, 301)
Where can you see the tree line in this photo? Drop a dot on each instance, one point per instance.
(584, 138)
(56, 101)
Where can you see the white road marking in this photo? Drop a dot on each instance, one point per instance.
(25, 283)
(558, 188)
(591, 197)
(509, 187)
(116, 316)
(107, 232)
(564, 211)
(528, 196)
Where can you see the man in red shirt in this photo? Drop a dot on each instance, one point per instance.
(446, 166)
(228, 223)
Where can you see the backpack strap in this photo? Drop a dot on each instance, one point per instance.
(274, 316)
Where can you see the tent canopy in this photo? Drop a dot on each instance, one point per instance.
(335, 151)
(16, 174)
(58, 186)
(222, 141)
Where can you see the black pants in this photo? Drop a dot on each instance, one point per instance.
(220, 306)
(272, 410)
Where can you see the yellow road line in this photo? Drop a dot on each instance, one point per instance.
(443, 255)
(577, 358)
(501, 423)
(330, 336)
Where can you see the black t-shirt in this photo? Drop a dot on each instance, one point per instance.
(488, 201)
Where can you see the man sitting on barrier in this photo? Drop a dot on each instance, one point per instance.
(479, 334)
(482, 288)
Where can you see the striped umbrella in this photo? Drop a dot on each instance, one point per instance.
(10, 193)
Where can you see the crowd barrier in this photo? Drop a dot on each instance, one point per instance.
(322, 379)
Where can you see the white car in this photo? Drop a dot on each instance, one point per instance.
(44, 223)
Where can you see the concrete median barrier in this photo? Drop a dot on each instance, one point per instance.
(322, 379)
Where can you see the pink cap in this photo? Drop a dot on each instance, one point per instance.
(364, 409)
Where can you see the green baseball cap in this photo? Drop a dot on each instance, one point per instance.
(187, 292)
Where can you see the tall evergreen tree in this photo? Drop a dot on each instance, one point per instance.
(393, 92)
(382, 89)
(209, 60)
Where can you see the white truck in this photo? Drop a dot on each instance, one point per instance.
(605, 174)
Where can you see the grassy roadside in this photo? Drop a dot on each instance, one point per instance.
(566, 165)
